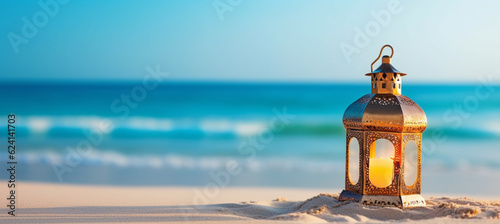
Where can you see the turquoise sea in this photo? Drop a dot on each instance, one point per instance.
(185, 133)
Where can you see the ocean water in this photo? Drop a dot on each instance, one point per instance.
(187, 133)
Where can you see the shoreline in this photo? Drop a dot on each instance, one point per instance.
(49, 203)
(28, 193)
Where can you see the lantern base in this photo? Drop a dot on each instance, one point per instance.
(402, 201)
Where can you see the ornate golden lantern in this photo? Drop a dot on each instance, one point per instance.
(384, 143)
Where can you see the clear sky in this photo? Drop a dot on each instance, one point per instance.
(248, 40)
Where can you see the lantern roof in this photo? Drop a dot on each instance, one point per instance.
(386, 67)
(385, 112)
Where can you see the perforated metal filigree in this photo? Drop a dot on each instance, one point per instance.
(352, 123)
(385, 112)
(364, 100)
(406, 101)
(384, 100)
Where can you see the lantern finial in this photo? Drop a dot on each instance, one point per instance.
(386, 59)
(386, 79)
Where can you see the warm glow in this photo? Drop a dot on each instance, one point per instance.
(380, 171)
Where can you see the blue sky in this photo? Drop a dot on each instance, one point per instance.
(258, 40)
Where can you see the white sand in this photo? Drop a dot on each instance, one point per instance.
(53, 203)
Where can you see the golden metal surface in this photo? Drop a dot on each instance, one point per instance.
(384, 114)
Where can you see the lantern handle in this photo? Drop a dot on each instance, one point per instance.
(392, 52)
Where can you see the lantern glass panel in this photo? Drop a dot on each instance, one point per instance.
(381, 164)
(354, 161)
(410, 165)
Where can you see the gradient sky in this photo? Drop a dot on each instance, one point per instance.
(259, 40)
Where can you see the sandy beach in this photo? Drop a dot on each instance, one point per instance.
(57, 203)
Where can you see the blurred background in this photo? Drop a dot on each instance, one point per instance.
(168, 93)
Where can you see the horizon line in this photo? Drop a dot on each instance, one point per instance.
(214, 82)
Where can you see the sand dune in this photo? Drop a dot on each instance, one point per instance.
(72, 204)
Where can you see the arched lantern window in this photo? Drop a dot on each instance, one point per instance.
(381, 163)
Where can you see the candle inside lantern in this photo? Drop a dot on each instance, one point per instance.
(380, 171)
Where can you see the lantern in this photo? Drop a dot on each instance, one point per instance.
(384, 143)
